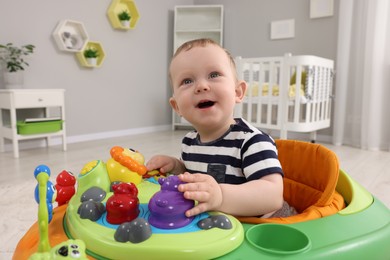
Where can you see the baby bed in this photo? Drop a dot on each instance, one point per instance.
(287, 93)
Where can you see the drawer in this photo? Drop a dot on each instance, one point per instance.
(27, 99)
(39, 127)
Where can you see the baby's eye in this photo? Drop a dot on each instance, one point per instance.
(186, 81)
(214, 75)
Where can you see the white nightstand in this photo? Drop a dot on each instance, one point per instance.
(15, 101)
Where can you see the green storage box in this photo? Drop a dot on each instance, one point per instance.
(39, 127)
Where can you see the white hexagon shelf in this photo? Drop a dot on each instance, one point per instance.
(70, 36)
(117, 7)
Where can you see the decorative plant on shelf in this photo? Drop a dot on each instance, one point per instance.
(91, 55)
(13, 56)
(124, 17)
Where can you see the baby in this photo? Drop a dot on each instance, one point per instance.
(227, 164)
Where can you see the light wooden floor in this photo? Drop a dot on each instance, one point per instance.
(18, 209)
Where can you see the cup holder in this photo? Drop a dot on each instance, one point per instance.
(278, 239)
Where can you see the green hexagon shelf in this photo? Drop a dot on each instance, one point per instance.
(94, 63)
(118, 6)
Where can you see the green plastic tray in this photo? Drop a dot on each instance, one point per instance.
(39, 127)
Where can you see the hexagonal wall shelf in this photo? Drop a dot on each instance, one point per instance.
(70, 36)
(86, 62)
(118, 6)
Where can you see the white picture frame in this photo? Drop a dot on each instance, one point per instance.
(321, 8)
(283, 29)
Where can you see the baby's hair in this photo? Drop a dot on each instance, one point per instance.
(202, 43)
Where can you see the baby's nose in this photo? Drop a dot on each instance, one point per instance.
(202, 86)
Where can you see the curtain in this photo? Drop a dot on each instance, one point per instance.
(362, 95)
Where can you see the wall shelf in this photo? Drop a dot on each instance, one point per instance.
(116, 7)
(70, 36)
(99, 60)
(197, 21)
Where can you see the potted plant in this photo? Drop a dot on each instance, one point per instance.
(12, 58)
(91, 55)
(124, 18)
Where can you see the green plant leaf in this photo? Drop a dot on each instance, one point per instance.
(91, 53)
(12, 56)
(124, 15)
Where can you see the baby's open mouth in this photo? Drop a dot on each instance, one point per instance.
(205, 104)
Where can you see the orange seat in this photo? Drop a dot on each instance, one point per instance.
(311, 174)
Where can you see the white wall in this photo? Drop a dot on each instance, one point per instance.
(131, 89)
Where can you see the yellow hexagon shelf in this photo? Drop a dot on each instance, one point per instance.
(116, 8)
(70, 36)
(92, 48)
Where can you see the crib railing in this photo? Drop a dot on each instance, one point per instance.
(288, 93)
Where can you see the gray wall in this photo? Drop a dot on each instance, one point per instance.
(130, 90)
(247, 28)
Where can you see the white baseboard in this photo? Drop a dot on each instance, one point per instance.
(119, 133)
(28, 144)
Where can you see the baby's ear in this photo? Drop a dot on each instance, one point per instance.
(240, 90)
(173, 103)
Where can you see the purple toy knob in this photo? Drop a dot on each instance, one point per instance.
(168, 206)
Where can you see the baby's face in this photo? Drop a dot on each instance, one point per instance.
(205, 87)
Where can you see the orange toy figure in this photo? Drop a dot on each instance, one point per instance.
(132, 164)
(126, 165)
(65, 187)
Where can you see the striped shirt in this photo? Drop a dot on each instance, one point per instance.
(242, 154)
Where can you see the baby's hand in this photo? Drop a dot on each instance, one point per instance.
(202, 188)
(165, 164)
(162, 163)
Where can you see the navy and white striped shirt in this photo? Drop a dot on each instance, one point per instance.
(242, 154)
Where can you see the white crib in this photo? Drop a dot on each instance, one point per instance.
(287, 93)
